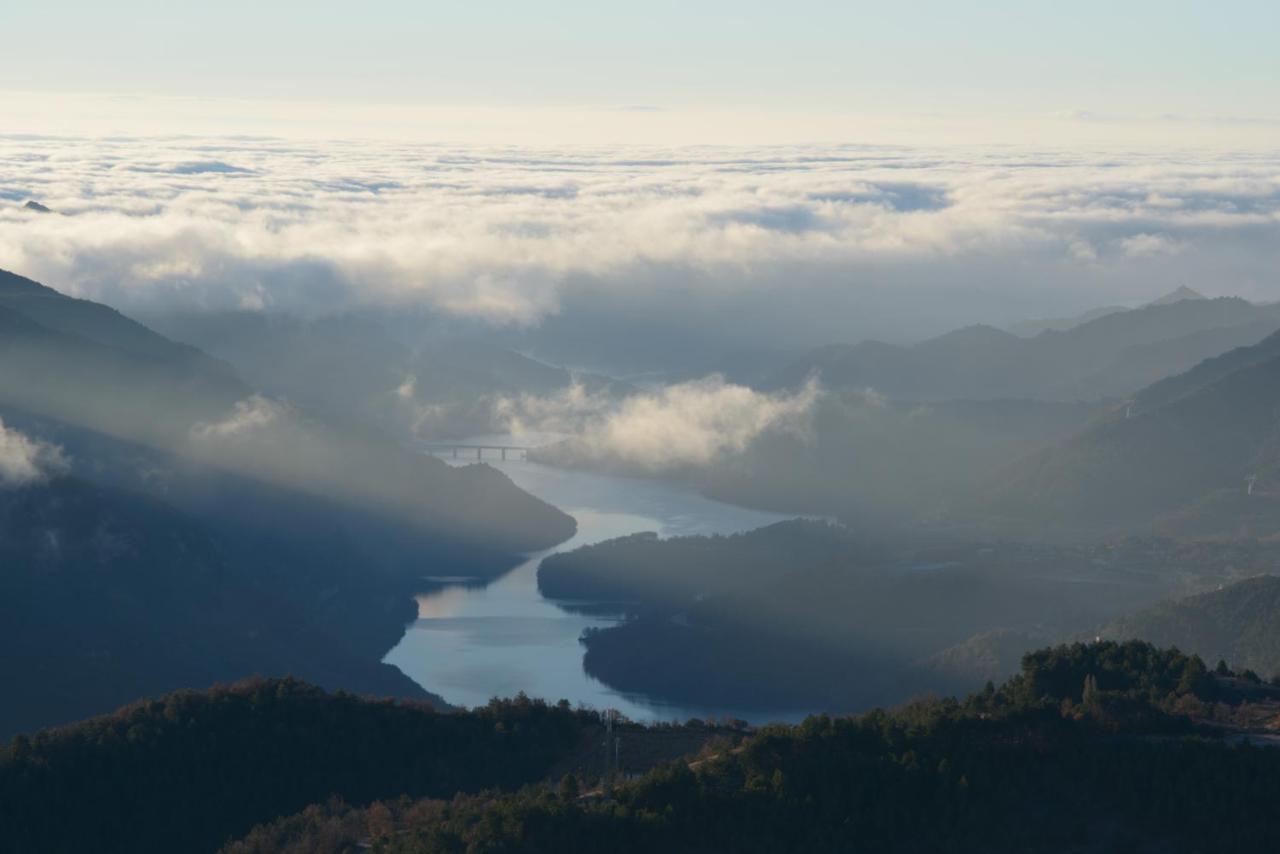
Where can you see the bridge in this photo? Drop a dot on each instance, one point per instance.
(440, 449)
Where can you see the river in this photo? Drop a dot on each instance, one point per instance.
(471, 643)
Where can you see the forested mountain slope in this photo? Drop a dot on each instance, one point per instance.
(131, 384)
(165, 526)
(188, 771)
(1212, 430)
(1239, 623)
(1088, 749)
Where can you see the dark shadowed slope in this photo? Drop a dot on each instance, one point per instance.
(100, 324)
(803, 614)
(187, 530)
(88, 366)
(189, 771)
(1036, 765)
(107, 596)
(1239, 623)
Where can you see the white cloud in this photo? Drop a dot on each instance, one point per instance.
(691, 423)
(24, 460)
(565, 411)
(248, 418)
(407, 389)
(1140, 245)
(509, 234)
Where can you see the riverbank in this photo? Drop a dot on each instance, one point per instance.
(474, 640)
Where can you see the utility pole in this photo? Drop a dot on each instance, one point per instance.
(607, 785)
(612, 750)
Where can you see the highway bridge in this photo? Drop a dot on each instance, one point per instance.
(465, 451)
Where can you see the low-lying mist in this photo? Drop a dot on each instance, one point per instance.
(24, 460)
(694, 423)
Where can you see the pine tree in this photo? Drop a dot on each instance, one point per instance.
(569, 788)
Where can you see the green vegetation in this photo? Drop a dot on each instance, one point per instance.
(807, 615)
(1048, 763)
(188, 771)
(195, 532)
(1178, 443)
(1090, 747)
(1239, 623)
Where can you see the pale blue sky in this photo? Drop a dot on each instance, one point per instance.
(1122, 58)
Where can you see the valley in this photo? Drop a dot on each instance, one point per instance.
(533, 430)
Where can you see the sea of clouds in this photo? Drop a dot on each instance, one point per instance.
(639, 252)
(804, 238)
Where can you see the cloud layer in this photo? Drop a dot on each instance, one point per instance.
(515, 235)
(24, 461)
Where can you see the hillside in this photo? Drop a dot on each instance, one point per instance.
(1238, 623)
(1039, 764)
(189, 771)
(369, 368)
(1034, 326)
(807, 615)
(1107, 745)
(1181, 440)
(166, 526)
(133, 385)
(869, 461)
(108, 595)
(98, 323)
(1111, 355)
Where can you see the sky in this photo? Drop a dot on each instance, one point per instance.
(816, 171)
(807, 71)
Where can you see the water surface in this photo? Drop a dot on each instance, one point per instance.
(471, 643)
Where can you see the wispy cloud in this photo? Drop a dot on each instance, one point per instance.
(248, 417)
(24, 460)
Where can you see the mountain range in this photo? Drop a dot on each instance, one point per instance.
(164, 524)
(1109, 356)
(409, 380)
(1179, 449)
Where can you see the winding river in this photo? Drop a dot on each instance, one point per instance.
(471, 643)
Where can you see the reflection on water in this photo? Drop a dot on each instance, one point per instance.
(473, 643)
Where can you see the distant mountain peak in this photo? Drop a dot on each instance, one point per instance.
(33, 205)
(1182, 294)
